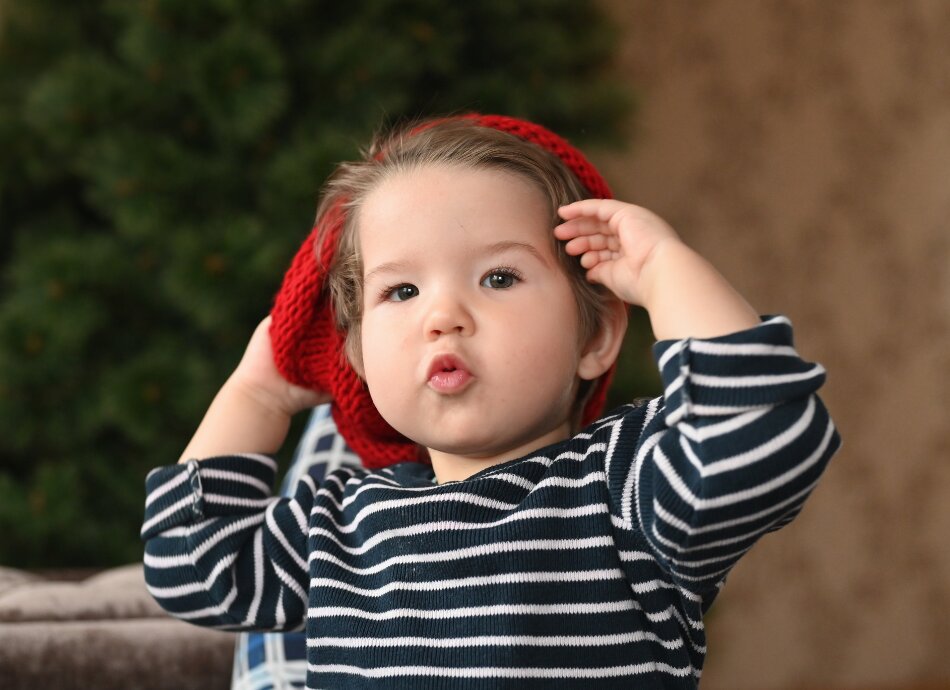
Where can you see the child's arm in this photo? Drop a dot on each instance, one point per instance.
(220, 550)
(251, 413)
(739, 439)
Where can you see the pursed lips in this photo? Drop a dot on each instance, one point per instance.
(448, 374)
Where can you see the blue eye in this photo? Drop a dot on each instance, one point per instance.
(401, 293)
(501, 278)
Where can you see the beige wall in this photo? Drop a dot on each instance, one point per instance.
(804, 147)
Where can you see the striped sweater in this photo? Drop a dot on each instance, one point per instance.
(591, 560)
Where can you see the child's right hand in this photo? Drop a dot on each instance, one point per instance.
(258, 376)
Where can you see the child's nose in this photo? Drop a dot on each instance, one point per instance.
(449, 315)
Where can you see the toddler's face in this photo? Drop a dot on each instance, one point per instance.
(470, 328)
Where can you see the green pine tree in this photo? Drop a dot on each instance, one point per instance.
(159, 169)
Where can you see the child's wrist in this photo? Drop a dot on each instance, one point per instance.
(665, 258)
(686, 296)
(276, 396)
(242, 418)
(264, 398)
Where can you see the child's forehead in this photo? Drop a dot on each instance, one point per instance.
(454, 210)
(493, 199)
(423, 183)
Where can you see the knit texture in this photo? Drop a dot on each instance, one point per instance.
(308, 348)
(591, 561)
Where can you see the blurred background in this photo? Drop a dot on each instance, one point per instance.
(159, 164)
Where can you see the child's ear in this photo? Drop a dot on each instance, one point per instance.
(602, 350)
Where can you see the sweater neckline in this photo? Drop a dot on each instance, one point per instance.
(417, 471)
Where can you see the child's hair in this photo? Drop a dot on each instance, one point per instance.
(453, 142)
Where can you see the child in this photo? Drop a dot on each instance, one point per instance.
(524, 551)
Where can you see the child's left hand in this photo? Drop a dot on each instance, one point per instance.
(638, 257)
(616, 242)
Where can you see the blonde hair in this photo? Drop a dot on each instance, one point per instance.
(457, 142)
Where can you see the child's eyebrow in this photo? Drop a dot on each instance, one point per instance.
(386, 267)
(510, 245)
(494, 248)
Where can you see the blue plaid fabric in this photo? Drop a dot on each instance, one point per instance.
(278, 661)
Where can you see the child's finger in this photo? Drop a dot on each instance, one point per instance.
(588, 243)
(603, 209)
(595, 274)
(596, 257)
(580, 226)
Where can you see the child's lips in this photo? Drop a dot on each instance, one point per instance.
(448, 374)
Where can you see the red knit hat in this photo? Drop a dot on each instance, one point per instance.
(308, 348)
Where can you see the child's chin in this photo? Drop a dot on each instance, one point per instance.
(465, 447)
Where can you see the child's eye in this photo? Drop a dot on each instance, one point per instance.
(400, 293)
(501, 278)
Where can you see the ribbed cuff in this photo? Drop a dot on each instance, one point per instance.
(196, 490)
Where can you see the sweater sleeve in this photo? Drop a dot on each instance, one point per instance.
(730, 452)
(220, 551)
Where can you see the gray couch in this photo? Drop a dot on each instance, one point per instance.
(102, 633)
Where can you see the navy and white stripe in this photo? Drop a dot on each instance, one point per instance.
(278, 661)
(594, 558)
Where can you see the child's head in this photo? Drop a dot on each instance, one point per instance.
(325, 288)
(452, 143)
